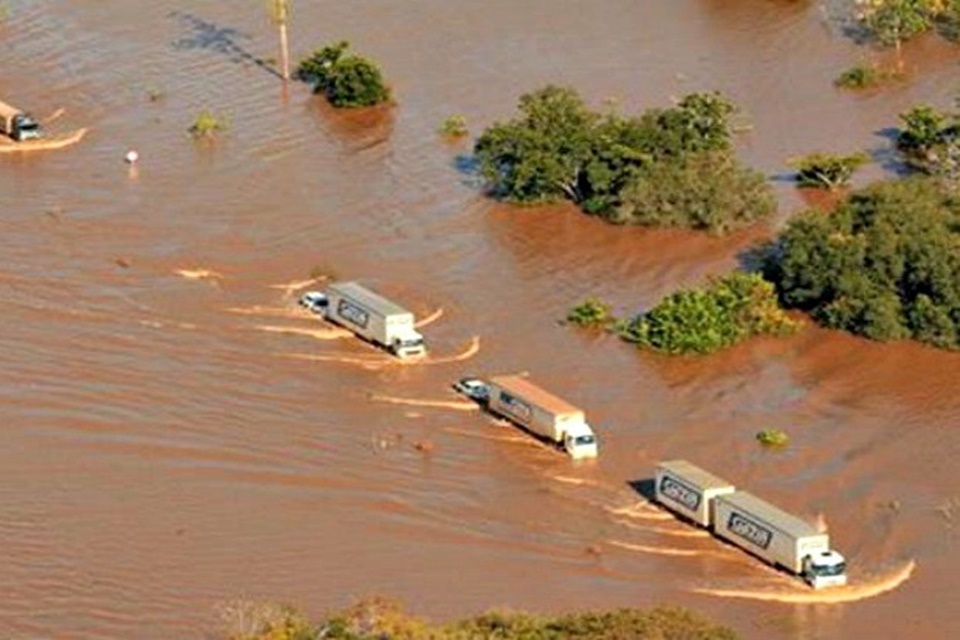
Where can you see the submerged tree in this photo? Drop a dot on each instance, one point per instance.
(884, 265)
(346, 80)
(827, 170)
(665, 167)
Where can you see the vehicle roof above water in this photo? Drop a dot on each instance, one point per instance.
(694, 475)
(367, 298)
(522, 387)
(774, 516)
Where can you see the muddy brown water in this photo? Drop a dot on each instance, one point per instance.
(166, 447)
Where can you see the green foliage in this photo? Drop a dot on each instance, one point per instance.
(728, 310)
(380, 619)
(454, 126)
(592, 313)
(891, 22)
(346, 80)
(928, 137)
(827, 170)
(709, 191)
(885, 265)
(559, 149)
(865, 76)
(773, 438)
(662, 623)
(207, 124)
(244, 620)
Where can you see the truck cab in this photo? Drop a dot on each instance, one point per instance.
(25, 128)
(409, 344)
(579, 441)
(825, 569)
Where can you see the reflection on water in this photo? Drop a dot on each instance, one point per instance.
(163, 451)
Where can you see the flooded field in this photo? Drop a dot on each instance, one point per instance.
(177, 432)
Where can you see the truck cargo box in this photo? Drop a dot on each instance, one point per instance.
(767, 531)
(688, 490)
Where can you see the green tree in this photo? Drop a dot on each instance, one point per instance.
(884, 265)
(709, 191)
(609, 165)
(702, 320)
(827, 170)
(346, 80)
(891, 22)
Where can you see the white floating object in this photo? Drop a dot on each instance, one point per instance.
(132, 156)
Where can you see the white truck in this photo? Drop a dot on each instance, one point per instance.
(756, 526)
(17, 124)
(374, 318)
(543, 414)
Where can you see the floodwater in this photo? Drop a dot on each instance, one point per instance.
(177, 433)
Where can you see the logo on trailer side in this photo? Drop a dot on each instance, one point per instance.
(515, 407)
(349, 311)
(749, 530)
(680, 493)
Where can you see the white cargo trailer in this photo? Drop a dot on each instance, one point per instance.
(374, 318)
(779, 538)
(688, 490)
(745, 520)
(543, 414)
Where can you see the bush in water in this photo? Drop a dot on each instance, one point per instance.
(883, 265)
(666, 167)
(346, 80)
(728, 310)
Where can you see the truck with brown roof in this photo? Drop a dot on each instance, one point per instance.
(542, 414)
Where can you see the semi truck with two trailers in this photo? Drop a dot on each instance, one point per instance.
(372, 317)
(754, 525)
(543, 414)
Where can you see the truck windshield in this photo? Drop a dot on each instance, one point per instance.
(828, 569)
(412, 342)
(28, 125)
(582, 441)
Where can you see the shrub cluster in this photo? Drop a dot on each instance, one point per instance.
(884, 265)
(891, 22)
(827, 170)
(866, 76)
(665, 167)
(728, 310)
(592, 313)
(379, 619)
(929, 138)
(773, 438)
(346, 80)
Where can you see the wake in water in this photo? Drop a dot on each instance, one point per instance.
(275, 312)
(640, 511)
(869, 587)
(471, 350)
(199, 274)
(382, 361)
(666, 551)
(289, 288)
(485, 435)
(458, 405)
(319, 334)
(433, 317)
(368, 362)
(685, 532)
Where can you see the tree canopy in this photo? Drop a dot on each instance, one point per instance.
(559, 149)
(884, 265)
(346, 80)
